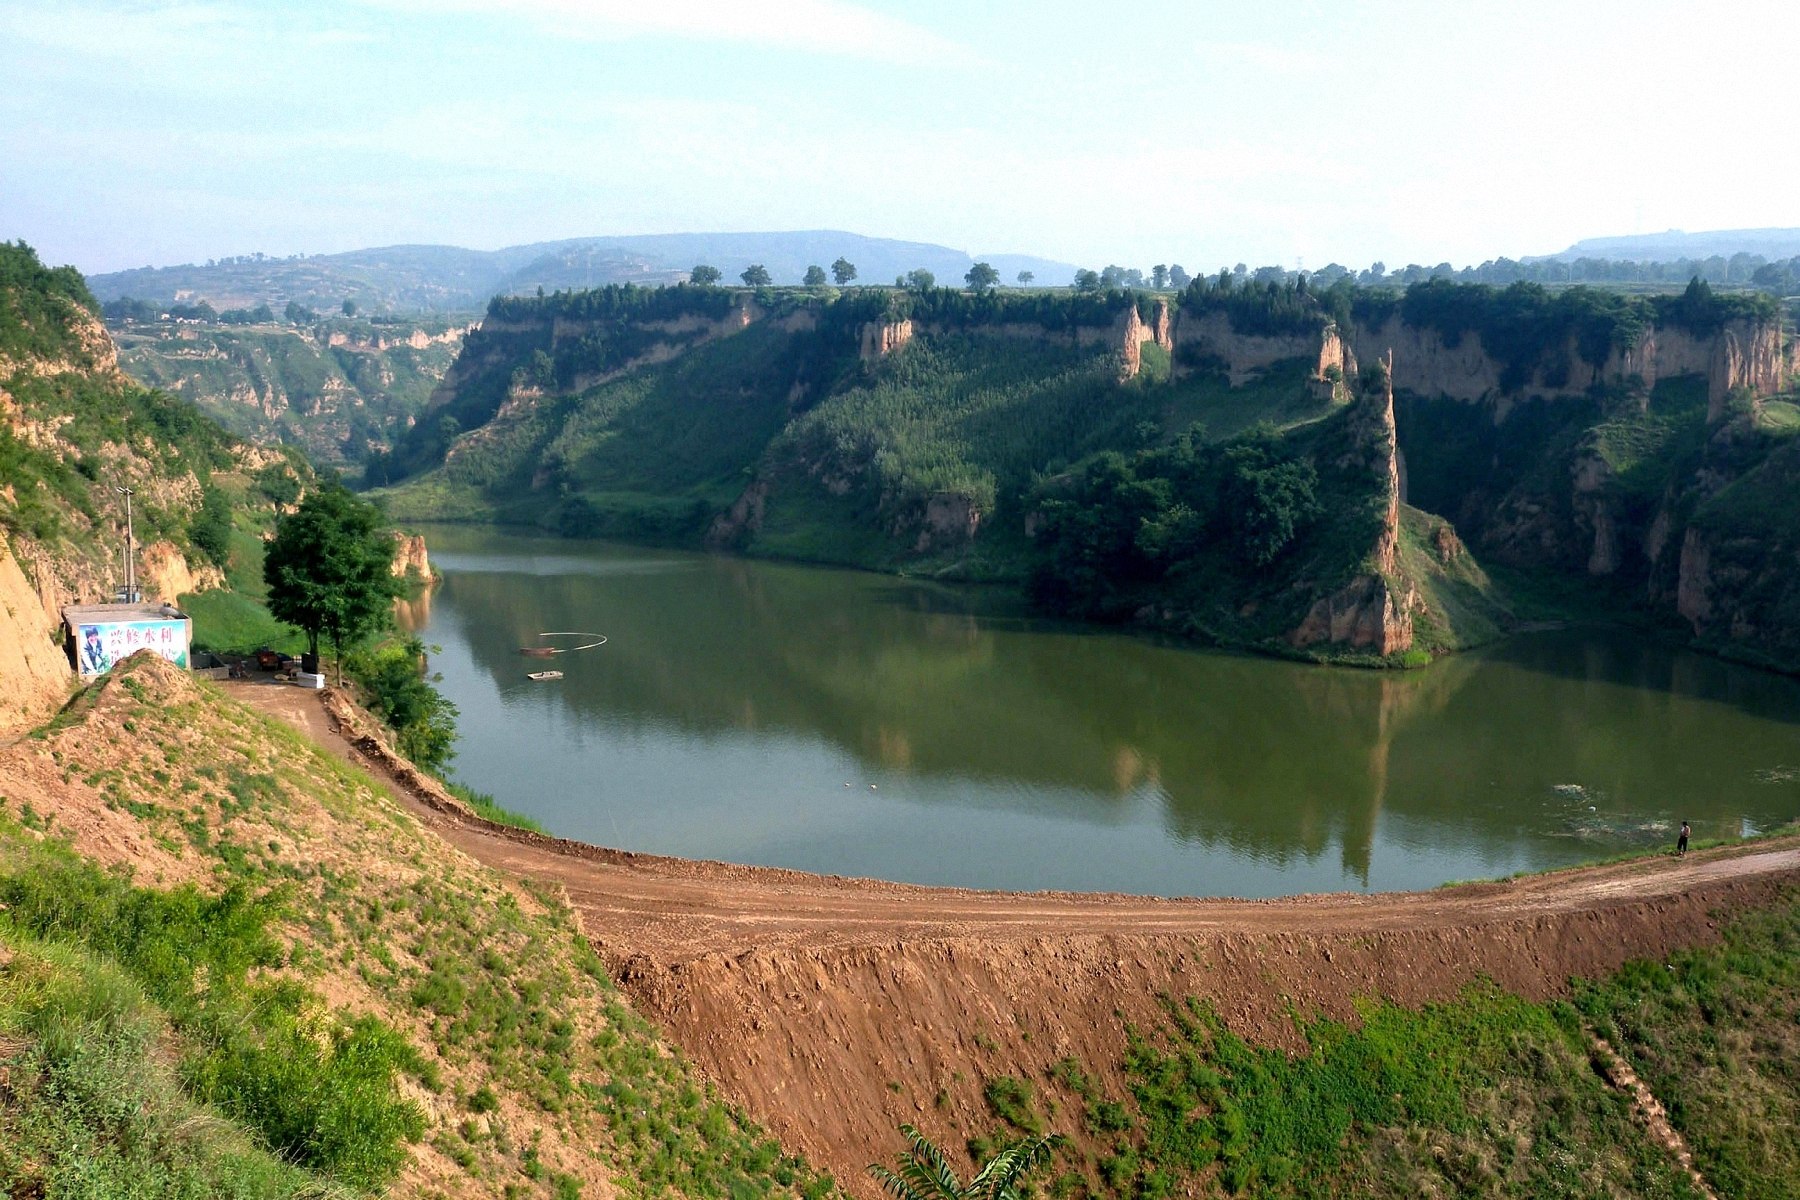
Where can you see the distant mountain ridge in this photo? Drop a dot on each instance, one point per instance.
(1674, 244)
(450, 278)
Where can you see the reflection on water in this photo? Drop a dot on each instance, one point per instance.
(413, 613)
(858, 724)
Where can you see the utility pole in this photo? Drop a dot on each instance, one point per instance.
(130, 549)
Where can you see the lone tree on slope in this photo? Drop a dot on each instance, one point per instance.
(843, 270)
(981, 277)
(815, 276)
(330, 570)
(704, 275)
(756, 275)
(1025, 278)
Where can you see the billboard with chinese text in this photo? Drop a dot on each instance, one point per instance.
(99, 646)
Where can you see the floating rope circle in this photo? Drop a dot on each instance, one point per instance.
(599, 639)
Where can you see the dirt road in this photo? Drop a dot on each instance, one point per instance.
(833, 1009)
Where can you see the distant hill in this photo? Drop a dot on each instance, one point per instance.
(1675, 245)
(449, 278)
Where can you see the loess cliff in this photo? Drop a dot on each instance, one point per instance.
(77, 435)
(340, 389)
(1592, 434)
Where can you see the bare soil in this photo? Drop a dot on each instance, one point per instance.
(833, 1009)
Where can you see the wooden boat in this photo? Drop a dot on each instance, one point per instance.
(544, 675)
(537, 651)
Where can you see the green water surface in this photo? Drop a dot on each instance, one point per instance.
(860, 724)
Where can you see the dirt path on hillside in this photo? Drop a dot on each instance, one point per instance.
(678, 909)
(833, 1009)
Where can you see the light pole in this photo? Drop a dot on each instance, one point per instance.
(130, 549)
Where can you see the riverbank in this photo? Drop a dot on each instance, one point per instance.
(833, 1009)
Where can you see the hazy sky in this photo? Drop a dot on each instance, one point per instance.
(1137, 132)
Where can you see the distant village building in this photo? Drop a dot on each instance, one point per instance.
(98, 637)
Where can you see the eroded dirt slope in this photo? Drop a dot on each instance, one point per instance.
(834, 1009)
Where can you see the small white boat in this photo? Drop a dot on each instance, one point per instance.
(540, 675)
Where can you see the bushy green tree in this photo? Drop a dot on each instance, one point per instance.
(815, 276)
(423, 719)
(843, 271)
(1269, 498)
(981, 277)
(1178, 276)
(1092, 562)
(920, 280)
(1087, 281)
(279, 482)
(703, 275)
(329, 570)
(1112, 535)
(756, 275)
(1025, 278)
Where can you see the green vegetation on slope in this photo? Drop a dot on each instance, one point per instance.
(520, 1069)
(80, 431)
(51, 367)
(34, 304)
(93, 1107)
(1487, 1095)
(517, 347)
(955, 416)
(1713, 1033)
(653, 455)
(1751, 529)
(317, 1092)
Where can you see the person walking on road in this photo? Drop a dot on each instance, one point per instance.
(1682, 841)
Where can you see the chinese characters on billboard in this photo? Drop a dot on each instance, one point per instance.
(101, 646)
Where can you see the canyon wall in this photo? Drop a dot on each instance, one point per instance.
(495, 346)
(1246, 355)
(32, 663)
(163, 573)
(338, 391)
(1743, 354)
(1126, 335)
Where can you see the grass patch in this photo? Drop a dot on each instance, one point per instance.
(233, 623)
(489, 809)
(1779, 417)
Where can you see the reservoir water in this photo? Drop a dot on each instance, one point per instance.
(858, 724)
